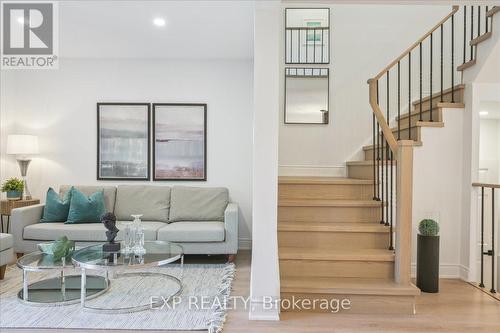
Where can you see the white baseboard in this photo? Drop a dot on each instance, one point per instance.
(244, 243)
(258, 312)
(464, 273)
(446, 271)
(312, 170)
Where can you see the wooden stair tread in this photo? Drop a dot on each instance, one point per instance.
(327, 203)
(440, 106)
(415, 143)
(418, 124)
(295, 253)
(438, 94)
(352, 286)
(481, 38)
(369, 162)
(466, 65)
(313, 180)
(332, 227)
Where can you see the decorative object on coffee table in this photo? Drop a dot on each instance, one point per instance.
(23, 146)
(428, 256)
(109, 221)
(62, 248)
(123, 141)
(180, 141)
(8, 205)
(14, 188)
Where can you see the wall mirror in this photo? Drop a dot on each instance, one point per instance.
(307, 35)
(306, 95)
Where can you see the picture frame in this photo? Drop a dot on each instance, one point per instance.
(123, 141)
(179, 142)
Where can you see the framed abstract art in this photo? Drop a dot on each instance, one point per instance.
(123, 132)
(179, 141)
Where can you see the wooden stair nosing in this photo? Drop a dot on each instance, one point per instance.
(312, 180)
(438, 94)
(439, 107)
(378, 255)
(369, 162)
(327, 203)
(481, 38)
(415, 143)
(347, 286)
(339, 227)
(466, 65)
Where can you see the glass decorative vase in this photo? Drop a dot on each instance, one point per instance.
(138, 234)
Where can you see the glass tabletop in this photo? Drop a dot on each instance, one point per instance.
(40, 261)
(157, 253)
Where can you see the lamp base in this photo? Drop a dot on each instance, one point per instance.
(23, 166)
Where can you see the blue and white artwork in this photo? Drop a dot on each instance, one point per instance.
(179, 141)
(123, 141)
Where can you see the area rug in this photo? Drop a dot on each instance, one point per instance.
(202, 304)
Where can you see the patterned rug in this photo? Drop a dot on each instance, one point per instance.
(200, 306)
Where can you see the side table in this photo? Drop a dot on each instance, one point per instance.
(8, 205)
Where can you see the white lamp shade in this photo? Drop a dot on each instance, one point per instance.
(22, 144)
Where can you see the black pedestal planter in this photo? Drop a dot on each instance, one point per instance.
(428, 263)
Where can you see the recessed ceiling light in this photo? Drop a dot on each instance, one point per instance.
(159, 22)
(483, 113)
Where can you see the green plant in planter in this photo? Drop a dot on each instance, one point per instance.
(14, 188)
(428, 227)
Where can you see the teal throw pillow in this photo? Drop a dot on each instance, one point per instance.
(85, 209)
(56, 208)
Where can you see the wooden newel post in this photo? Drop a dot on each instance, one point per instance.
(404, 211)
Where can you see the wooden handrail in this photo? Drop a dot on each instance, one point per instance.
(386, 130)
(414, 45)
(486, 185)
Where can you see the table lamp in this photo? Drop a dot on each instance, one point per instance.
(23, 146)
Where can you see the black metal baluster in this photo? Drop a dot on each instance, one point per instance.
(314, 46)
(441, 100)
(486, 20)
(409, 94)
(430, 80)
(465, 33)
(453, 58)
(378, 161)
(387, 156)
(391, 246)
(481, 284)
(471, 31)
(374, 159)
(399, 103)
(478, 21)
(492, 290)
(382, 179)
(420, 83)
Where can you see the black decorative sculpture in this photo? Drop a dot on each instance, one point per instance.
(109, 221)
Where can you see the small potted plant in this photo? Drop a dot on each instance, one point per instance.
(14, 188)
(428, 256)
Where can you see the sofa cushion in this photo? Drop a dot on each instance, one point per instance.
(90, 232)
(153, 202)
(6, 241)
(109, 193)
(56, 207)
(198, 203)
(193, 231)
(83, 209)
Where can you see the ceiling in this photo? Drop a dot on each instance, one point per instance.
(492, 108)
(125, 29)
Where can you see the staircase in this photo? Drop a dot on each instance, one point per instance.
(349, 238)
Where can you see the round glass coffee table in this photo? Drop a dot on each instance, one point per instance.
(60, 290)
(122, 266)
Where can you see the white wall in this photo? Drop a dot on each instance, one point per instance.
(265, 270)
(437, 188)
(60, 107)
(364, 38)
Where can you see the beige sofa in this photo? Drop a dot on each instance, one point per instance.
(202, 220)
(6, 252)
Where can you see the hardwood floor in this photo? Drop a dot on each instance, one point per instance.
(458, 307)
